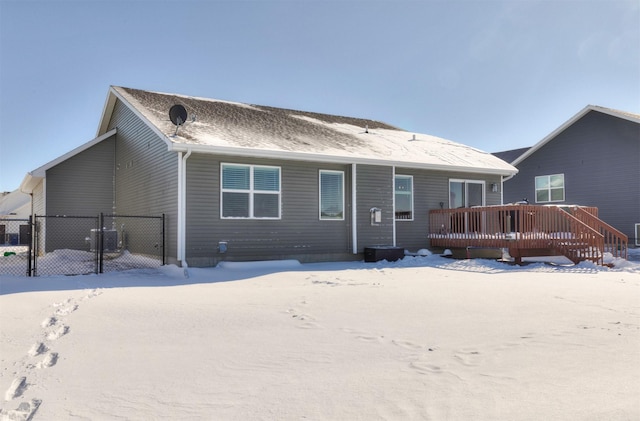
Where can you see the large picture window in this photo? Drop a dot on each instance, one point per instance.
(250, 191)
(332, 195)
(550, 188)
(404, 197)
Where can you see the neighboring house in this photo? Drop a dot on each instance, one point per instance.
(15, 207)
(248, 182)
(592, 160)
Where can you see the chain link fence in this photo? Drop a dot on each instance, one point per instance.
(75, 245)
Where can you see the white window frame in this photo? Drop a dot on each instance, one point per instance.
(548, 189)
(395, 192)
(320, 216)
(466, 183)
(251, 191)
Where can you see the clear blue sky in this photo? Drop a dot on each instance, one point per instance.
(496, 75)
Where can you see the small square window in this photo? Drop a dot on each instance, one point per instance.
(550, 188)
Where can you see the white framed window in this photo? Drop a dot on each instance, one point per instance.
(331, 195)
(466, 193)
(404, 197)
(550, 188)
(249, 191)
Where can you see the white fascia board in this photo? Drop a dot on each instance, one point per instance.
(33, 177)
(308, 157)
(568, 124)
(552, 135)
(142, 118)
(107, 112)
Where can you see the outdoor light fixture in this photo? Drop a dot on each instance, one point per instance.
(494, 187)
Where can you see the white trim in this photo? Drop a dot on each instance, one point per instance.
(182, 208)
(394, 197)
(323, 158)
(570, 122)
(466, 191)
(251, 191)
(393, 205)
(320, 218)
(32, 178)
(145, 120)
(535, 188)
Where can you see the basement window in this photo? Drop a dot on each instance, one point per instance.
(250, 191)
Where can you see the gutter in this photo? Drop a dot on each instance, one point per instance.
(312, 157)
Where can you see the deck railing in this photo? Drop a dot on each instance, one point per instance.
(615, 242)
(523, 229)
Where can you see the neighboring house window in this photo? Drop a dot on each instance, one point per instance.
(404, 197)
(550, 188)
(332, 195)
(250, 191)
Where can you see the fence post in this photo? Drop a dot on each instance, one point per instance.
(100, 245)
(30, 246)
(164, 250)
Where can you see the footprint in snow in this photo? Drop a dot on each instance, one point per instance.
(49, 360)
(18, 386)
(58, 333)
(24, 412)
(37, 349)
(49, 321)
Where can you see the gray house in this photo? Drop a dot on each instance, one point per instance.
(248, 182)
(593, 159)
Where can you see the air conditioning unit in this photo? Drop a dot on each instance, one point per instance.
(109, 242)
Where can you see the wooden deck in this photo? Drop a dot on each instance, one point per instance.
(528, 230)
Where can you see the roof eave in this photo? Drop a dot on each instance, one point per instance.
(312, 157)
(569, 123)
(32, 178)
(111, 101)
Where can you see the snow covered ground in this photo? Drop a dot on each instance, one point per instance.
(422, 338)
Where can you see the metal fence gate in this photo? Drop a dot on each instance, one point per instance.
(15, 246)
(75, 245)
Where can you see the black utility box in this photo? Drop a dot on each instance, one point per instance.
(377, 253)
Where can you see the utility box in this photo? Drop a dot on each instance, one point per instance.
(388, 253)
(109, 243)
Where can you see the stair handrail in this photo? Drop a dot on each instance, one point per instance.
(617, 240)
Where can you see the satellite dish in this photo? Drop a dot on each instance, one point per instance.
(178, 114)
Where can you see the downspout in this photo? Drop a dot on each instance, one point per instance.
(182, 207)
(354, 213)
(393, 195)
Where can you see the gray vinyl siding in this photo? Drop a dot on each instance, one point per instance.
(374, 186)
(599, 156)
(82, 184)
(146, 181)
(430, 188)
(299, 234)
(79, 186)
